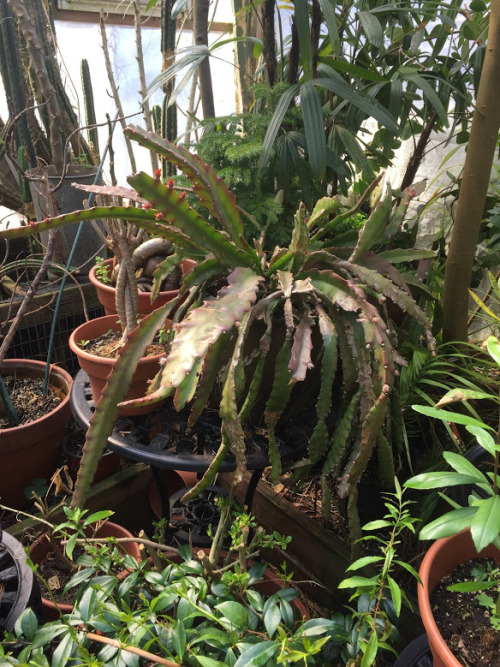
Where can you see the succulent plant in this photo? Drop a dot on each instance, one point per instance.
(269, 330)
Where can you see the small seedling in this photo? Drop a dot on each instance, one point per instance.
(101, 271)
(485, 578)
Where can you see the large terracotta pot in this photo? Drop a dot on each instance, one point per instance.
(99, 368)
(106, 293)
(41, 547)
(441, 559)
(31, 450)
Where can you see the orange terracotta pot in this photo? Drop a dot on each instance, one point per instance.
(32, 450)
(106, 293)
(99, 368)
(441, 559)
(41, 547)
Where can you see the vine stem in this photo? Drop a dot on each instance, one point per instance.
(131, 649)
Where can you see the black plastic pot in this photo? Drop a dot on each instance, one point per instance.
(416, 654)
(18, 581)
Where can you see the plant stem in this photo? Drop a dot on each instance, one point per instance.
(156, 659)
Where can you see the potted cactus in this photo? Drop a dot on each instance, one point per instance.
(268, 333)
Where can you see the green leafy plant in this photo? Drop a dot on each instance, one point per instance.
(482, 516)
(484, 578)
(268, 332)
(101, 271)
(380, 597)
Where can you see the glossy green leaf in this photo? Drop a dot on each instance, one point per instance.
(259, 654)
(484, 438)
(27, 624)
(438, 480)
(363, 562)
(485, 524)
(355, 582)
(494, 348)
(448, 524)
(370, 651)
(395, 594)
(179, 640)
(63, 651)
(47, 633)
(445, 415)
(271, 618)
(372, 28)
(235, 613)
(463, 466)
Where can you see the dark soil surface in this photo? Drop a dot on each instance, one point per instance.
(108, 346)
(465, 624)
(57, 575)
(27, 396)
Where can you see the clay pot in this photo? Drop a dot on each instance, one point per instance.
(99, 368)
(32, 450)
(108, 465)
(441, 559)
(41, 547)
(106, 293)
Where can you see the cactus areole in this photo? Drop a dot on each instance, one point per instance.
(268, 333)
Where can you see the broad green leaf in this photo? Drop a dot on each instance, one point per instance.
(236, 614)
(370, 652)
(259, 654)
(448, 524)
(362, 562)
(463, 466)
(97, 516)
(27, 624)
(444, 415)
(87, 604)
(179, 639)
(63, 652)
(47, 633)
(437, 480)
(371, 26)
(395, 594)
(354, 582)
(484, 438)
(271, 618)
(494, 348)
(485, 524)
(472, 586)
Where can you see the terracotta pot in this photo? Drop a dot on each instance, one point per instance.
(32, 450)
(99, 368)
(109, 463)
(441, 559)
(106, 293)
(41, 547)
